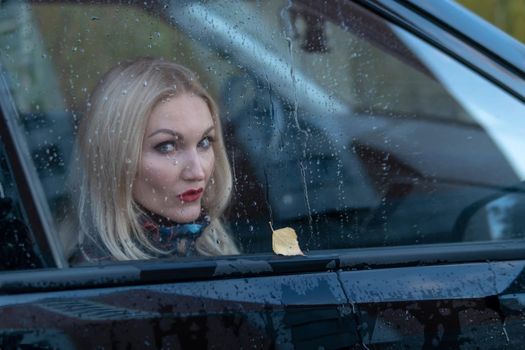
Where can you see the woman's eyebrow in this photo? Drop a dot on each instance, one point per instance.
(176, 134)
(210, 129)
(166, 131)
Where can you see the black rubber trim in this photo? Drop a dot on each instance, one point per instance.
(201, 269)
(462, 24)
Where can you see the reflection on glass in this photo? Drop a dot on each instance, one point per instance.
(338, 124)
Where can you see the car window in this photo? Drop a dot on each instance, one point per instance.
(19, 249)
(338, 124)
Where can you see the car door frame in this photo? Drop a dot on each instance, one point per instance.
(341, 264)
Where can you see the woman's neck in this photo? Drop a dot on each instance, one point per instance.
(156, 218)
(162, 220)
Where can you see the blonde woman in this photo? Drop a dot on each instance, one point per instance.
(153, 171)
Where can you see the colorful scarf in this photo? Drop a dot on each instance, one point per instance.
(169, 236)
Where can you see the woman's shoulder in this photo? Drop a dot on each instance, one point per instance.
(89, 252)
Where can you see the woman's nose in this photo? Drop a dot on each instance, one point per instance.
(193, 167)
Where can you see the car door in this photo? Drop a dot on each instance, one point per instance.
(261, 302)
(450, 296)
(390, 144)
(214, 303)
(60, 309)
(451, 306)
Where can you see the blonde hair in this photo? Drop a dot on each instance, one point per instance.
(109, 150)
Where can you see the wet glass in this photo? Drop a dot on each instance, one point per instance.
(338, 124)
(19, 249)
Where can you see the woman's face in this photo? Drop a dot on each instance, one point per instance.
(177, 158)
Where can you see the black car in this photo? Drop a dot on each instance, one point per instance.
(387, 133)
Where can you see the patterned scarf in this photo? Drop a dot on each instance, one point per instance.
(177, 239)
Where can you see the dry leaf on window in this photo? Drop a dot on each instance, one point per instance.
(284, 242)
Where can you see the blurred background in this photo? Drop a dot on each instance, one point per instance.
(508, 15)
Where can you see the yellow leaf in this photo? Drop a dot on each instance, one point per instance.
(284, 242)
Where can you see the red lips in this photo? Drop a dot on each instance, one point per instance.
(191, 195)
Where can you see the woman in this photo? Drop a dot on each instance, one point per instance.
(154, 175)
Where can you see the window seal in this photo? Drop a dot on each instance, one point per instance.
(137, 273)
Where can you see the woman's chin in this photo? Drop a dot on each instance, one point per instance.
(186, 214)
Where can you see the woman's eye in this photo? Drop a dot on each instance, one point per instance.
(165, 147)
(206, 142)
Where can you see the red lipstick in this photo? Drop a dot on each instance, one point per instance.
(191, 195)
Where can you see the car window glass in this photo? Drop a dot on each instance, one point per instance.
(338, 124)
(18, 249)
